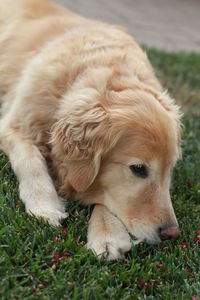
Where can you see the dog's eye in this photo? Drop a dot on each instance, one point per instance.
(139, 170)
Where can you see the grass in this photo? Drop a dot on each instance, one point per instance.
(28, 246)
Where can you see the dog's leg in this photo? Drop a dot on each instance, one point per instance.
(107, 236)
(36, 187)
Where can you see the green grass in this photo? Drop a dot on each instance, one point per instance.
(28, 246)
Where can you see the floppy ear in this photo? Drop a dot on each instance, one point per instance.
(81, 139)
(83, 134)
(82, 173)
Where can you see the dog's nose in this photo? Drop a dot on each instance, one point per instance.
(168, 233)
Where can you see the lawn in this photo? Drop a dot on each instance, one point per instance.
(38, 261)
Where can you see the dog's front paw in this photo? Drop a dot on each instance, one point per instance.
(107, 236)
(43, 202)
(53, 217)
(111, 247)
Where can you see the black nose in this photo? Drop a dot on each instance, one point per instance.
(168, 233)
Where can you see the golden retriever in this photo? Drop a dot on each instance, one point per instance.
(83, 116)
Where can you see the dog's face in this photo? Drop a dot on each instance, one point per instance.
(135, 176)
(136, 181)
(121, 154)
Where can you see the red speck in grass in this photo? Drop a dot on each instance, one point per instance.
(45, 283)
(184, 245)
(17, 203)
(189, 185)
(56, 254)
(149, 286)
(145, 284)
(197, 240)
(64, 230)
(194, 298)
(58, 257)
(65, 254)
(158, 266)
(52, 263)
(57, 239)
(142, 282)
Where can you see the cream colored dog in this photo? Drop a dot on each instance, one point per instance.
(83, 116)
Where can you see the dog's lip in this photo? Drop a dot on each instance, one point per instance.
(136, 241)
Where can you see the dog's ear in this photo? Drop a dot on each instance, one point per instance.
(83, 134)
(82, 173)
(82, 138)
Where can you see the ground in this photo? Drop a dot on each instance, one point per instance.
(38, 261)
(171, 25)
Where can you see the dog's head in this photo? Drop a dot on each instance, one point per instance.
(120, 148)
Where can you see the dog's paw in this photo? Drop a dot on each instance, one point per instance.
(53, 211)
(53, 217)
(43, 202)
(110, 247)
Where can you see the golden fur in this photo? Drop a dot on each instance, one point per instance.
(80, 101)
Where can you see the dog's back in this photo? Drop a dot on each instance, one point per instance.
(25, 26)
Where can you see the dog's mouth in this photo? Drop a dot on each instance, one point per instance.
(135, 240)
(151, 239)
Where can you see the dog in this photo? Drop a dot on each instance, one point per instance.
(84, 117)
